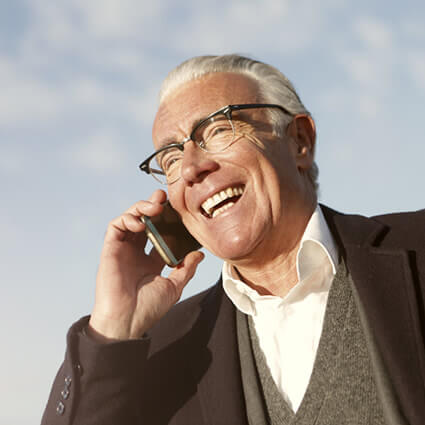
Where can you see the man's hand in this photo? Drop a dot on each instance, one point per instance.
(131, 294)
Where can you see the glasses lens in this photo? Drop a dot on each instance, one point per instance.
(165, 166)
(215, 134)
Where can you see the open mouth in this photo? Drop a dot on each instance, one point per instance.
(221, 201)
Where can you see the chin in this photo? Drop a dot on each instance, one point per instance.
(234, 248)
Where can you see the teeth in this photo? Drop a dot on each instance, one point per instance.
(222, 209)
(221, 196)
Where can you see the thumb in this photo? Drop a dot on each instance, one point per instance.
(182, 274)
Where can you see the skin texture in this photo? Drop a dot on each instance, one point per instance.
(131, 295)
(259, 235)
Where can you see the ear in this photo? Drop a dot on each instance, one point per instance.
(302, 131)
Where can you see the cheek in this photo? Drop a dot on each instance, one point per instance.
(255, 141)
(283, 159)
(175, 196)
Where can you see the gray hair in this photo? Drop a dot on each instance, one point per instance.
(273, 86)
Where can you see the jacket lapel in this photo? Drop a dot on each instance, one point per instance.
(384, 282)
(220, 388)
(386, 288)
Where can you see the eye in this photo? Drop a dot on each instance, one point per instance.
(219, 128)
(169, 160)
(214, 132)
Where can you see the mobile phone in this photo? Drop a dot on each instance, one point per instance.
(169, 236)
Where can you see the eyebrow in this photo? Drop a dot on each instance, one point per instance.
(168, 141)
(197, 122)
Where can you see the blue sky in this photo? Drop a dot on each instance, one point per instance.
(79, 82)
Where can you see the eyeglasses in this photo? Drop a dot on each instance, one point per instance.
(215, 133)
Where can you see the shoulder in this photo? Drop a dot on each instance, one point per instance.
(409, 218)
(184, 318)
(404, 229)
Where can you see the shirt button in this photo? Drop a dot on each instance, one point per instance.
(60, 408)
(68, 381)
(65, 393)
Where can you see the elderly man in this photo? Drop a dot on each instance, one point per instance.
(318, 317)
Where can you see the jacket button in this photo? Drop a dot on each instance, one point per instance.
(79, 369)
(65, 393)
(68, 381)
(60, 408)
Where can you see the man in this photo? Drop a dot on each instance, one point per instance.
(318, 317)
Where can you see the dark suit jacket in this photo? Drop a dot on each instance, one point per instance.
(187, 370)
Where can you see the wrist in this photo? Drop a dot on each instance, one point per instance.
(109, 331)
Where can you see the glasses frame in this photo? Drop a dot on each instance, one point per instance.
(226, 111)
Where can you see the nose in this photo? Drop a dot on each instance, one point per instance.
(196, 164)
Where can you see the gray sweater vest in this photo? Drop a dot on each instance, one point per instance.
(342, 387)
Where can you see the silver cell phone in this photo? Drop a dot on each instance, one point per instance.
(169, 236)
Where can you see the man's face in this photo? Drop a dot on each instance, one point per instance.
(268, 218)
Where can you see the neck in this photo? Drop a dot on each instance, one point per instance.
(276, 277)
(272, 269)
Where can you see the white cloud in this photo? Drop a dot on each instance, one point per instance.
(52, 24)
(24, 98)
(117, 19)
(368, 69)
(124, 59)
(75, 59)
(362, 69)
(102, 153)
(30, 100)
(250, 11)
(375, 33)
(270, 26)
(372, 56)
(359, 104)
(142, 106)
(108, 35)
(78, 22)
(85, 91)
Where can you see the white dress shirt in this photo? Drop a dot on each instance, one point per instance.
(289, 328)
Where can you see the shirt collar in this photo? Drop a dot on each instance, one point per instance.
(317, 247)
(316, 233)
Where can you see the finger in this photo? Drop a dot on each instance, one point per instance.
(149, 208)
(182, 274)
(159, 196)
(122, 226)
(128, 222)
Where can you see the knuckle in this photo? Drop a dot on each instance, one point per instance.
(113, 222)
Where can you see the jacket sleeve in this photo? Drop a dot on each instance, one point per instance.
(97, 384)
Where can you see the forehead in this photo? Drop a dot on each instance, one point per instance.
(198, 98)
